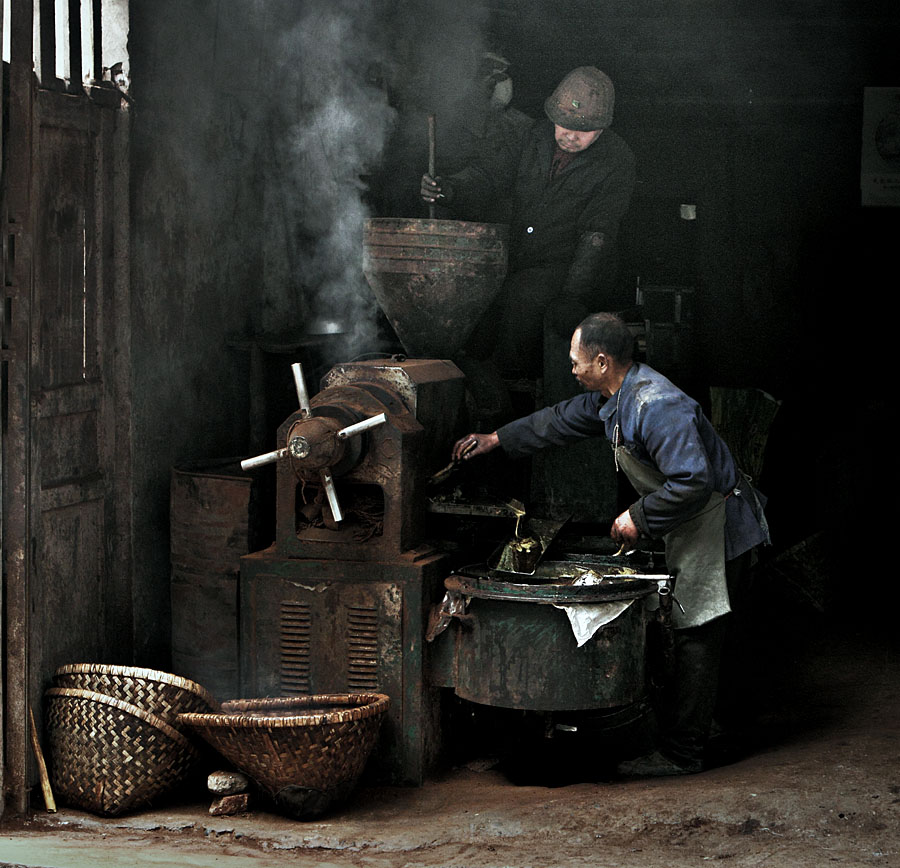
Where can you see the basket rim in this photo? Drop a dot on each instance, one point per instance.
(138, 672)
(235, 715)
(127, 707)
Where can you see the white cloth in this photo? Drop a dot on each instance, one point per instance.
(587, 618)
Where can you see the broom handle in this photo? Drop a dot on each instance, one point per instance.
(49, 801)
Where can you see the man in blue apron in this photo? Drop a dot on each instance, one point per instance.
(691, 494)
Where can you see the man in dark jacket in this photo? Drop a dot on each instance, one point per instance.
(569, 182)
(691, 494)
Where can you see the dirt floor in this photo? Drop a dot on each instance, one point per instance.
(813, 780)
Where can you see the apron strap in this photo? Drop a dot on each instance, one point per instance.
(759, 512)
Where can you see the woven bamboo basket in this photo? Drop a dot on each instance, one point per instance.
(306, 752)
(108, 756)
(160, 693)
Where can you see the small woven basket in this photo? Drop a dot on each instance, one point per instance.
(306, 752)
(109, 756)
(160, 693)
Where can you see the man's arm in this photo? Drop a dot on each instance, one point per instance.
(598, 227)
(566, 422)
(562, 423)
(669, 431)
(490, 176)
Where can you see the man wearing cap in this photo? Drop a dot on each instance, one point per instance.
(569, 181)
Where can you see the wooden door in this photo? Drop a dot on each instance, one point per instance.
(66, 497)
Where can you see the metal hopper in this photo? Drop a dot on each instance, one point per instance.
(434, 279)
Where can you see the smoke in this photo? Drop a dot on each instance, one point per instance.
(353, 76)
(332, 123)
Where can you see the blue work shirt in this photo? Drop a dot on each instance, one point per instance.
(666, 430)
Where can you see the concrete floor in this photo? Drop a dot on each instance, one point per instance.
(817, 783)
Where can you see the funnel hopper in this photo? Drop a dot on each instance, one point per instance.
(434, 279)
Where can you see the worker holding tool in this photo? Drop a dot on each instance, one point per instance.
(569, 182)
(691, 494)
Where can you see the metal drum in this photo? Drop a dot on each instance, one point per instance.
(515, 649)
(434, 279)
(213, 516)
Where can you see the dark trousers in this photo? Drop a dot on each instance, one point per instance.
(690, 702)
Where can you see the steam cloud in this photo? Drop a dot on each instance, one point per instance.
(357, 77)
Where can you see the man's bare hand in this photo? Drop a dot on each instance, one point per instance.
(431, 189)
(624, 530)
(474, 444)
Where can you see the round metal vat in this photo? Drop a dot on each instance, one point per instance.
(514, 652)
(434, 279)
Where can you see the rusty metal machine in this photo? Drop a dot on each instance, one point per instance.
(339, 601)
(358, 592)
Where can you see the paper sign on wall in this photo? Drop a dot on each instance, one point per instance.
(880, 162)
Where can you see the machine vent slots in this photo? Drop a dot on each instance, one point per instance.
(295, 644)
(362, 649)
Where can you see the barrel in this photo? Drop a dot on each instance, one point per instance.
(212, 524)
(517, 649)
(434, 279)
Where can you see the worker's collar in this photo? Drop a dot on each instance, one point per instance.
(612, 402)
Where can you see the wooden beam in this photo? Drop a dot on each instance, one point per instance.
(17, 220)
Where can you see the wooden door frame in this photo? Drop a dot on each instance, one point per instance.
(17, 236)
(20, 486)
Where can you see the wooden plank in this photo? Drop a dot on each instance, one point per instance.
(17, 224)
(79, 398)
(4, 358)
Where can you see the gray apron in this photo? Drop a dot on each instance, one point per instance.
(695, 550)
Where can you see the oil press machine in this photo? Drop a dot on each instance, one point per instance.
(357, 593)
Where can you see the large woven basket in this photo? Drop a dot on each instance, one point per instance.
(306, 752)
(108, 756)
(160, 693)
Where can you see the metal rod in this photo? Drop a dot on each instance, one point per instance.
(266, 458)
(359, 427)
(331, 494)
(300, 384)
(432, 149)
(655, 577)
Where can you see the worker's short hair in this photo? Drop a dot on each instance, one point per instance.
(607, 333)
